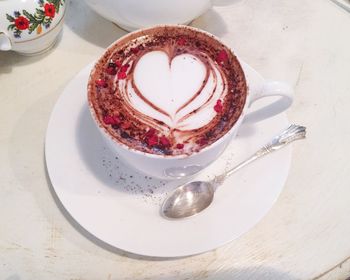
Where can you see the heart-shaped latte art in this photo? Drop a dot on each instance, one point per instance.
(169, 84)
(171, 90)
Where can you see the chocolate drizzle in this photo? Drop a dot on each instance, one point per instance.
(204, 83)
(139, 94)
(227, 83)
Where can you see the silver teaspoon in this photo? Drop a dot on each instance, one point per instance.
(191, 198)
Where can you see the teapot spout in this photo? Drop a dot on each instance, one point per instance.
(5, 43)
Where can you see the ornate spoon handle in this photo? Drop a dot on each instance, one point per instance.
(292, 133)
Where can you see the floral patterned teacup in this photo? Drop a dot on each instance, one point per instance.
(30, 26)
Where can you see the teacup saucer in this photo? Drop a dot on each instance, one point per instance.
(120, 206)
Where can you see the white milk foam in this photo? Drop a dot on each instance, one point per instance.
(170, 85)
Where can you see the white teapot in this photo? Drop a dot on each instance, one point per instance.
(135, 14)
(30, 26)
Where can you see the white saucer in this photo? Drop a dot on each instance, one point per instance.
(106, 198)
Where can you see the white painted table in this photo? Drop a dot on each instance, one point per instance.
(304, 236)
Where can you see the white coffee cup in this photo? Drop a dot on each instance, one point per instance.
(181, 166)
(134, 14)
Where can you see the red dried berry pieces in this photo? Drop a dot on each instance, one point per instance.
(124, 68)
(108, 120)
(218, 107)
(101, 83)
(222, 57)
(125, 125)
(121, 75)
(151, 137)
(135, 50)
(181, 41)
(118, 64)
(202, 142)
(111, 120)
(111, 71)
(164, 141)
(150, 132)
(152, 141)
(180, 146)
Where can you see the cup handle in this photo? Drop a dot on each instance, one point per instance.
(271, 88)
(222, 2)
(5, 42)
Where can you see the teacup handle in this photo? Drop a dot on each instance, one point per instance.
(271, 88)
(5, 42)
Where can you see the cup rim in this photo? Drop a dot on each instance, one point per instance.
(167, 157)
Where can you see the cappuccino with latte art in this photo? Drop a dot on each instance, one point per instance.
(167, 91)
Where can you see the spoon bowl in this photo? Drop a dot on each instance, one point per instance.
(188, 200)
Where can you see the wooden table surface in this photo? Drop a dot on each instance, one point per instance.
(306, 235)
